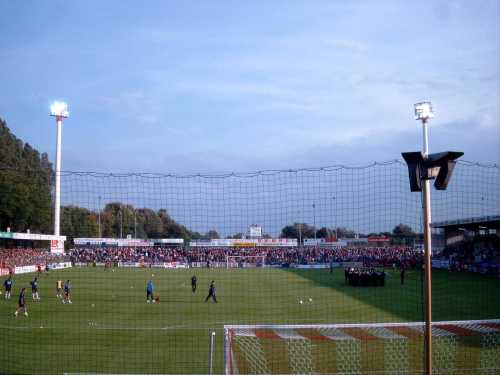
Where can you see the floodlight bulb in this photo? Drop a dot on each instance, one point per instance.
(59, 109)
(423, 111)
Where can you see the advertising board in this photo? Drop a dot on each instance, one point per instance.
(25, 269)
(175, 265)
(59, 266)
(443, 264)
(4, 271)
(129, 264)
(57, 246)
(311, 266)
(249, 242)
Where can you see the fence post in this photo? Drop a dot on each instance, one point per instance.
(211, 352)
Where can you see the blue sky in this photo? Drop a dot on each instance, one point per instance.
(185, 86)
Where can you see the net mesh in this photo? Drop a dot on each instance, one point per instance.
(245, 261)
(460, 347)
(356, 211)
(368, 199)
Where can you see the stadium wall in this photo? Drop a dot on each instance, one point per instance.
(34, 268)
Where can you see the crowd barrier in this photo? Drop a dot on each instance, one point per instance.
(210, 264)
(129, 264)
(25, 269)
(4, 271)
(59, 266)
(311, 266)
(35, 267)
(170, 265)
(437, 263)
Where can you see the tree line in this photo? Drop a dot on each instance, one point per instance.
(118, 220)
(401, 233)
(26, 202)
(25, 185)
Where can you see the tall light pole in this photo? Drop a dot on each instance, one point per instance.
(314, 222)
(135, 224)
(300, 229)
(423, 112)
(121, 221)
(335, 219)
(99, 215)
(59, 110)
(423, 167)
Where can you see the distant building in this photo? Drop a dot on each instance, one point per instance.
(255, 231)
(455, 231)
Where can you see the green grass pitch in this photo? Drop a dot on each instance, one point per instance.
(110, 329)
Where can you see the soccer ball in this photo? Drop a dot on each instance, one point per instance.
(310, 299)
(301, 302)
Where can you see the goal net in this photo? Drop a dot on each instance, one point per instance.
(245, 261)
(459, 347)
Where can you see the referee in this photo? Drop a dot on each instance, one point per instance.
(211, 292)
(194, 283)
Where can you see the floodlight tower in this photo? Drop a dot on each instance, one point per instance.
(423, 112)
(423, 167)
(59, 110)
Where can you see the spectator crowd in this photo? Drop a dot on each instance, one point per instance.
(477, 256)
(10, 258)
(481, 254)
(370, 256)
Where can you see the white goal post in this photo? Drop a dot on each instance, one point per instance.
(245, 261)
(459, 347)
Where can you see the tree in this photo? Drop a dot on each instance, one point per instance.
(25, 185)
(196, 236)
(403, 234)
(343, 232)
(151, 223)
(290, 231)
(212, 234)
(78, 222)
(298, 231)
(402, 230)
(325, 232)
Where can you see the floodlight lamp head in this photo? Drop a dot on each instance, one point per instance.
(423, 111)
(438, 167)
(59, 110)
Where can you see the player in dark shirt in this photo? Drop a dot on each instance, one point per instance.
(8, 287)
(22, 303)
(149, 292)
(194, 283)
(34, 290)
(67, 292)
(211, 292)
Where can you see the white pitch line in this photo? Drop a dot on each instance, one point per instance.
(115, 373)
(171, 328)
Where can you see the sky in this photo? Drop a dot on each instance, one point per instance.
(192, 86)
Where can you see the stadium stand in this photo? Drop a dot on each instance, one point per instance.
(369, 256)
